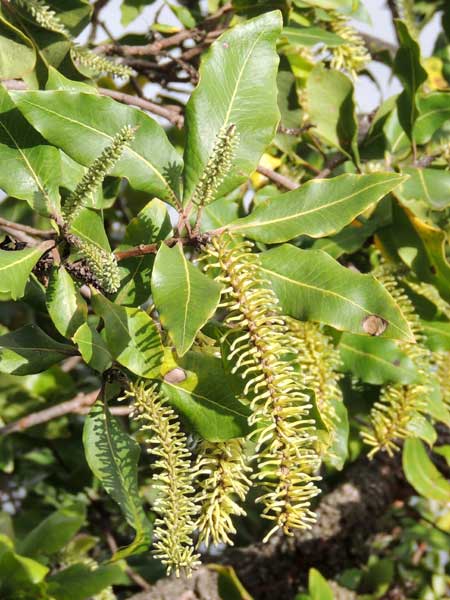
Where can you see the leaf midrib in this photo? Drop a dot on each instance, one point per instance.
(330, 293)
(306, 212)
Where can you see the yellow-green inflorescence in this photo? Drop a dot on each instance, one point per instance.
(102, 263)
(283, 431)
(175, 505)
(98, 63)
(352, 56)
(43, 15)
(319, 361)
(222, 474)
(217, 167)
(96, 173)
(399, 404)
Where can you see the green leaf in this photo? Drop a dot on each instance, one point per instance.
(422, 247)
(408, 69)
(185, 298)
(80, 581)
(420, 427)
(422, 474)
(443, 451)
(92, 347)
(434, 112)
(17, 53)
(310, 36)
(337, 453)
(66, 307)
(89, 226)
(436, 408)
(113, 457)
(340, 5)
(348, 240)
(312, 286)
(319, 208)
(16, 267)
(131, 9)
(29, 350)
(84, 124)
(22, 571)
(54, 532)
(318, 587)
(132, 336)
(30, 169)
(431, 186)
(331, 109)
(152, 224)
(237, 86)
(376, 360)
(206, 400)
(437, 334)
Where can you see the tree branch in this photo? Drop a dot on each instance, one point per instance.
(277, 178)
(48, 233)
(75, 405)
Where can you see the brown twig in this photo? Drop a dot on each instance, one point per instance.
(334, 162)
(138, 579)
(277, 178)
(48, 233)
(78, 403)
(171, 114)
(143, 249)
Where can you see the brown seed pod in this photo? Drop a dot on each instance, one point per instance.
(374, 325)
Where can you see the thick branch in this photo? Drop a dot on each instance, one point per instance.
(48, 233)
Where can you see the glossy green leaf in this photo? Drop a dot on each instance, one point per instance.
(312, 286)
(30, 168)
(66, 307)
(431, 186)
(17, 53)
(437, 334)
(84, 124)
(113, 457)
(319, 208)
(92, 347)
(131, 9)
(420, 427)
(337, 453)
(54, 532)
(331, 109)
(436, 407)
(16, 267)
(318, 587)
(80, 581)
(29, 350)
(22, 571)
(340, 5)
(151, 224)
(348, 240)
(310, 36)
(422, 247)
(237, 86)
(184, 296)
(443, 451)
(88, 225)
(408, 69)
(376, 360)
(434, 112)
(132, 336)
(206, 399)
(422, 474)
